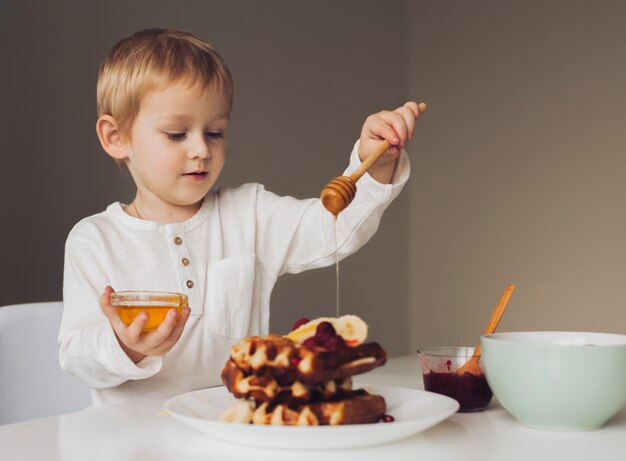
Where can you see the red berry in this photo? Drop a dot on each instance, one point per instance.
(325, 330)
(301, 321)
(311, 342)
(388, 419)
(334, 342)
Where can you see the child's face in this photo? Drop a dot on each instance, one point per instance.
(178, 146)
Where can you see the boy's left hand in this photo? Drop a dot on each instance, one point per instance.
(133, 341)
(396, 127)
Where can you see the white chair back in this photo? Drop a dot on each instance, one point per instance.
(32, 383)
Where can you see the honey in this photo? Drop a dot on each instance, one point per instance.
(336, 270)
(129, 304)
(156, 314)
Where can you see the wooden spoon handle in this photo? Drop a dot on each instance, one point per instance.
(472, 366)
(499, 310)
(497, 313)
(369, 161)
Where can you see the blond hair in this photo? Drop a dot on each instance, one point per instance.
(151, 60)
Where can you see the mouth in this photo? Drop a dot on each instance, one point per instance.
(196, 175)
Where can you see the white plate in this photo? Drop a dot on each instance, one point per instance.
(414, 411)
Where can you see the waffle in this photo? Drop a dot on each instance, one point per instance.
(279, 356)
(359, 407)
(305, 379)
(266, 388)
(319, 365)
(255, 354)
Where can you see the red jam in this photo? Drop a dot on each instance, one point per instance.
(471, 391)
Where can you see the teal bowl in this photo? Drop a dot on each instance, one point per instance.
(557, 380)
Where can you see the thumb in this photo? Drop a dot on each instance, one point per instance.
(107, 308)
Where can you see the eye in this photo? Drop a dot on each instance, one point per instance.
(214, 134)
(176, 136)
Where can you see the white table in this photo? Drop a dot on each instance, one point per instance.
(141, 431)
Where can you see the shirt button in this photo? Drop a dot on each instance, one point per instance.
(184, 261)
(190, 284)
(178, 240)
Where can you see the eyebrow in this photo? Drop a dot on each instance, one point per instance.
(173, 117)
(184, 118)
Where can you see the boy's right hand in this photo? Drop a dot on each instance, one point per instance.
(134, 341)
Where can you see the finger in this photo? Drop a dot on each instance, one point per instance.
(176, 333)
(398, 123)
(421, 108)
(120, 329)
(180, 325)
(408, 113)
(156, 338)
(381, 128)
(132, 333)
(413, 107)
(418, 109)
(105, 298)
(109, 310)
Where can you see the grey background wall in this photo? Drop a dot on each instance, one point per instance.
(521, 174)
(519, 164)
(306, 74)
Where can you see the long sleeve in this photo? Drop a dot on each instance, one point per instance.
(88, 347)
(297, 235)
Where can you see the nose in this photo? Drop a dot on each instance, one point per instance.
(199, 150)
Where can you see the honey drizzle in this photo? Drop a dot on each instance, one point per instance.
(336, 269)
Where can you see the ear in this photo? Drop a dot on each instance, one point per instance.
(111, 137)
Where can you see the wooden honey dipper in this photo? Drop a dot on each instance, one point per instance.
(340, 191)
(472, 366)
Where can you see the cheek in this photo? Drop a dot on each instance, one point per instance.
(169, 163)
(157, 158)
(220, 157)
(218, 164)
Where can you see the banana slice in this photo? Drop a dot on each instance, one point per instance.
(351, 328)
(240, 412)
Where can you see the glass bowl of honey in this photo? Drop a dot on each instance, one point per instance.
(156, 304)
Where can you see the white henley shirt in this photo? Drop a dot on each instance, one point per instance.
(235, 247)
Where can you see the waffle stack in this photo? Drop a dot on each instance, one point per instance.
(303, 379)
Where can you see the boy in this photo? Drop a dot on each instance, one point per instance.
(164, 100)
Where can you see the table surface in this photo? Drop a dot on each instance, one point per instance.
(141, 430)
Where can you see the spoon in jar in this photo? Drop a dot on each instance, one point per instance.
(472, 366)
(340, 191)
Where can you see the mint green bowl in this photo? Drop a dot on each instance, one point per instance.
(557, 380)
